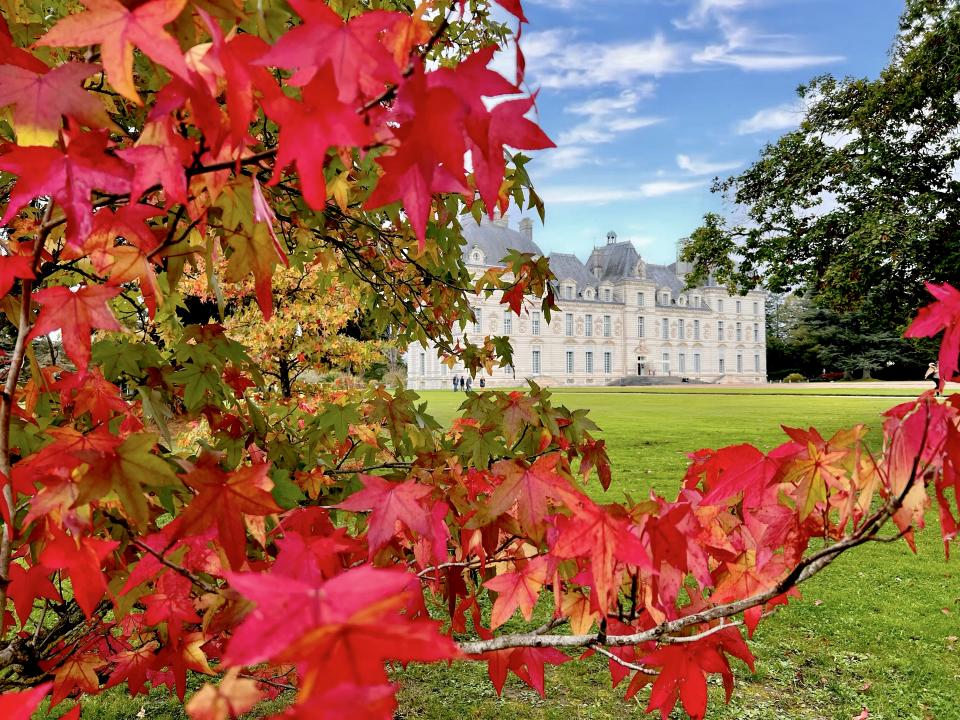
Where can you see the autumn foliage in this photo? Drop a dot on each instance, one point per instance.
(164, 513)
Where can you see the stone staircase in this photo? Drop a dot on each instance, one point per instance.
(635, 380)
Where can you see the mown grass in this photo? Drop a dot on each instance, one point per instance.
(878, 629)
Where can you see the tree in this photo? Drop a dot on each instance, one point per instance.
(294, 543)
(857, 206)
(309, 330)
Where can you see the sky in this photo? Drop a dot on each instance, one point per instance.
(649, 100)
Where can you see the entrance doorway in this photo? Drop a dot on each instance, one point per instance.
(641, 365)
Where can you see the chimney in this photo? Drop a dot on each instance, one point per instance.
(526, 228)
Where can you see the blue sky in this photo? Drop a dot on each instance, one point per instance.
(648, 100)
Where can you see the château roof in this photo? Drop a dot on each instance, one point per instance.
(616, 260)
(494, 239)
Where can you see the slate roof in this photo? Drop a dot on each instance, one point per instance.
(568, 267)
(617, 260)
(494, 240)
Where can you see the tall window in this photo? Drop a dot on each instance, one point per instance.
(756, 308)
(721, 365)
(739, 332)
(535, 322)
(665, 362)
(665, 328)
(568, 292)
(756, 363)
(507, 322)
(756, 332)
(589, 361)
(588, 325)
(682, 363)
(640, 328)
(681, 329)
(478, 326)
(423, 363)
(606, 295)
(719, 305)
(696, 301)
(665, 299)
(739, 363)
(696, 363)
(606, 326)
(536, 362)
(696, 329)
(720, 330)
(569, 361)
(607, 362)
(739, 307)
(568, 324)
(640, 299)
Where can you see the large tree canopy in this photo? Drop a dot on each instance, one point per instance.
(859, 205)
(165, 514)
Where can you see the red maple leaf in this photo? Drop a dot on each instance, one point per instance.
(430, 152)
(526, 663)
(78, 672)
(733, 471)
(40, 100)
(13, 267)
(90, 392)
(360, 63)
(159, 159)
(75, 314)
(319, 121)
(131, 666)
(943, 314)
(28, 585)
(223, 499)
(116, 29)
(684, 668)
(519, 589)
(604, 535)
(530, 487)
(390, 503)
(82, 559)
(504, 125)
(20, 705)
(338, 631)
(69, 177)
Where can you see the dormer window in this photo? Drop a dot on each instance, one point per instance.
(641, 270)
(588, 293)
(569, 291)
(606, 294)
(476, 256)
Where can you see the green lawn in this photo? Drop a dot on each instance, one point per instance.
(878, 629)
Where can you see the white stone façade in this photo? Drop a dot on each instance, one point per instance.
(619, 317)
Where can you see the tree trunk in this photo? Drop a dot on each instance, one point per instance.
(285, 384)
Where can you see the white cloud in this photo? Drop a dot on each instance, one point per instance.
(556, 60)
(747, 49)
(604, 119)
(699, 166)
(760, 62)
(703, 10)
(780, 117)
(565, 158)
(603, 129)
(597, 195)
